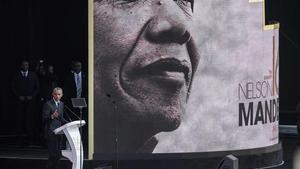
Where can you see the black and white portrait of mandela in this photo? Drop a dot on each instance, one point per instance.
(145, 58)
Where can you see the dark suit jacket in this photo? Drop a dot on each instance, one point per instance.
(52, 124)
(298, 116)
(25, 86)
(69, 87)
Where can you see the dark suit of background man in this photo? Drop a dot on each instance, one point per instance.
(25, 86)
(53, 118)
(298, 116)
(75, 86)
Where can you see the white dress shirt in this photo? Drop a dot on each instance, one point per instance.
(24, 74)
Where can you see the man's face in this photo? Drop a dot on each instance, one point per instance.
(51, 69)
(57, 94)
(24, 66)
(145, 58)
(77, 67)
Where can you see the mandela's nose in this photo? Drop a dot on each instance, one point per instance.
(166, 30)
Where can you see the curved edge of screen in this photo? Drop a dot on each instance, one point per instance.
(248, 158)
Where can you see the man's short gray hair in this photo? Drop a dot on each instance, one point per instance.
(56, 89)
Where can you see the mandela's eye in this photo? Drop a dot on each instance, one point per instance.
(186, 5)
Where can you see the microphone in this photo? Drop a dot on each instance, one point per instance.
(71, 111)
(110, 97)
(69, 118)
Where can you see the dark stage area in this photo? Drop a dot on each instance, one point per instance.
(36, 158)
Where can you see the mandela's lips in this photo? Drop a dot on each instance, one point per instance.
(169, 69)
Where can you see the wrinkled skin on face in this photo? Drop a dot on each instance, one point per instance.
(145, 58)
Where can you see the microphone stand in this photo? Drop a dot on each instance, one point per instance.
(116, 133)
(80, 103)
(80, 131)
(71, 111)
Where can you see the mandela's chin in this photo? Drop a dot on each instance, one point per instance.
(151, 117)
(170, 125)
(169, 120)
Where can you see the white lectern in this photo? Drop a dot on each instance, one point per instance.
(71, 130)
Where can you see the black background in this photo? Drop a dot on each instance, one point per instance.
(56, 31)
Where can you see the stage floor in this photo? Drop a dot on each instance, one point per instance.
(35, 157)
(289, 145)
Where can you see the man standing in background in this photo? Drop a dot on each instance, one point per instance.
(75, 86)
(25, 86)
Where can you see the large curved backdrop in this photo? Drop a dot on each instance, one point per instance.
(233, 101)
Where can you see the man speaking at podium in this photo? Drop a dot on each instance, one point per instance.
(53, 118)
